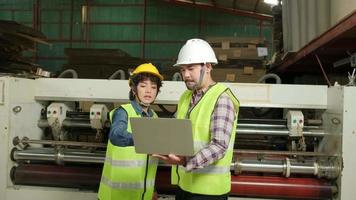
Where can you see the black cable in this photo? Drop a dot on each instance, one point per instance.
(177, 175)
(145, 181)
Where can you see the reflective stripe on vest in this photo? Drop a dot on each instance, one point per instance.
(127, 185)
(130, 163)
(218, 173)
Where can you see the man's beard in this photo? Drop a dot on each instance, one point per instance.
(192, 85)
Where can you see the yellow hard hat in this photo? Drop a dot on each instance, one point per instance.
(147, 68)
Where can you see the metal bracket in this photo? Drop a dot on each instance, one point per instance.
(2, 92)
(351, 60)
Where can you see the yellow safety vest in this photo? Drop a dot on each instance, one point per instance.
(125, 173)
(214, 179)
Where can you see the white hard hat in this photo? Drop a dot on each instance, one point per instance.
(196, 51)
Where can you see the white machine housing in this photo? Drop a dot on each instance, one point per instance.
(21, 102)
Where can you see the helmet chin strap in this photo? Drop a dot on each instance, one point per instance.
(201, 77)
(143, 104)
(139, 100)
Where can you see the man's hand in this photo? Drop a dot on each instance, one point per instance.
(171, 159)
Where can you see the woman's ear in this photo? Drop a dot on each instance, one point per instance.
(133, 90)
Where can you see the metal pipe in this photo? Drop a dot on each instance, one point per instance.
(143, 36)
(259, 166)
(59, 156)
(70, 123)
(285, 153)
(286, 167)
(77, 123)
(304, 168)
(76, 114)
(26, 141)
(242, 128)
(277, 132)
(254, 125)
(308, 122)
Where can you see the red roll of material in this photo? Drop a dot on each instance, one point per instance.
(279, 187)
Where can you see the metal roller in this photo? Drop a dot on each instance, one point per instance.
(70, 123)
(243, 128)
(59, 156)
(26, 141)
(246, 186)
(265, 187)
(328, 169)
(281, 188)
(57, 176)
(276, 132)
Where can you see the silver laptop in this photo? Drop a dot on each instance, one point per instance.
(163, 136)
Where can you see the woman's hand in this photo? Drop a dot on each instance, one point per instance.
(171, 159)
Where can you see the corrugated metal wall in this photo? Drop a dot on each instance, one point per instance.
(341, 8)
(303, 20)
(155, 31)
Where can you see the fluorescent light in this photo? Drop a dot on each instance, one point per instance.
(272, 2)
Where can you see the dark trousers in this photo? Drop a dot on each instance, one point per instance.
(183, 195)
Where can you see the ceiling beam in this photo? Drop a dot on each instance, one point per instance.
(202, 5)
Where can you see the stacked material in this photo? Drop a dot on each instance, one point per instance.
(14, 40)
(238, 48)
(99, 63)
(240, 59)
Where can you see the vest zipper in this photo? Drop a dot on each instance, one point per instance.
(191, 109)
(177, 174)
(145, 181)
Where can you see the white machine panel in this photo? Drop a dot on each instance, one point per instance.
(250, 95)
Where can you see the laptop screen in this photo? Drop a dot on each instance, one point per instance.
(163, 136)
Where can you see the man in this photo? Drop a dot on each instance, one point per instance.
(213, 109)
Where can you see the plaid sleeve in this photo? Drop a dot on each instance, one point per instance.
(222, 121)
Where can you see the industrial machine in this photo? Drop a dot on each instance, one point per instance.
(293, 141)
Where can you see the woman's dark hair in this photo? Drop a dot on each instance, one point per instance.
(141, 77)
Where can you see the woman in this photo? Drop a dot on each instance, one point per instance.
(126, 174)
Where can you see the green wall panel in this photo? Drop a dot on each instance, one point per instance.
(116, 14)
(110, 32)
(5, 15)
(120, 20)
(167, 52)
(164, 32)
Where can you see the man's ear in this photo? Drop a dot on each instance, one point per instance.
(209, 67)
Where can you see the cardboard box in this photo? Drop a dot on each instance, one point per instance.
(246, 40)
(248, 70)
(251, 46)
(222, 57)
(225, 45)
(237, 53)
(230, 77)
(237, 75)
